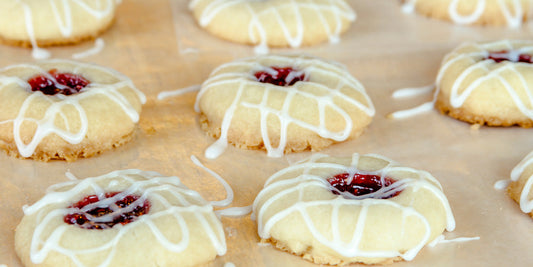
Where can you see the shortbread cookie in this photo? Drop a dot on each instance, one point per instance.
(521, 187)
(511, 13)
(488, 83)
(123, 218)
(274, 23)
(53, 22)
(365, 209)
(282, 104)
(61, 109)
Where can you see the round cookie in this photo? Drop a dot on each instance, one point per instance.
(282, 104)
(488, 83)
(521, 187)
(274, 23)
(51, 22)
(60, 109)
(511, 13)
(123, 218)
(364, 209)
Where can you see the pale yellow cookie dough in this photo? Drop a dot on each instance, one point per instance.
(44, 127)
(299, 212)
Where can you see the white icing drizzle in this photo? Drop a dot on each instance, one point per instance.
(149, 185)
(98, 47)
(63, 20)
(526, 204)
(241, 79)
(278, 186)
(513, 11)
(229, 212)
(441, 240)
(260, 11)
(229, 198)
(71, 176)
(58, 102)
(477, 62)
(229, 264)
(501, 184)
(167, 94)
(409, 92)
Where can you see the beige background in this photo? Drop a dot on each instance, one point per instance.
(159, 46)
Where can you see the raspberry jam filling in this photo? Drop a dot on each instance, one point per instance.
(65, 83)
(281, 76)
(509, 56)
(362, 184)
(118, 212)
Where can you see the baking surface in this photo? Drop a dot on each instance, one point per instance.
(158, 45)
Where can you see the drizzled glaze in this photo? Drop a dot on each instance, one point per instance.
(56, 110)
(169, 198)
(63, 18)
(263, 14)
(526, 204)
(513, 11)
(303, 178)
(231, 75)
(478, 60)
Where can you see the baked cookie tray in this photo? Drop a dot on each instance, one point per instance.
(158, 45)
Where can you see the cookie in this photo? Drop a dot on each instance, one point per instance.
(520, 189)
(60, 109)
(488, 83)
(123, 218)
(282, 104)
(274, 23)
(365, 208)
(48, 22)
(511, 13)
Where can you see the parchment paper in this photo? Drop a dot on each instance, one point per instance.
(159, 46)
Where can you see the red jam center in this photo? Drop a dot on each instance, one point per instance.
(66, 83)
(506, 56)
(361, 184)
(119, 215)
(280, 76)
